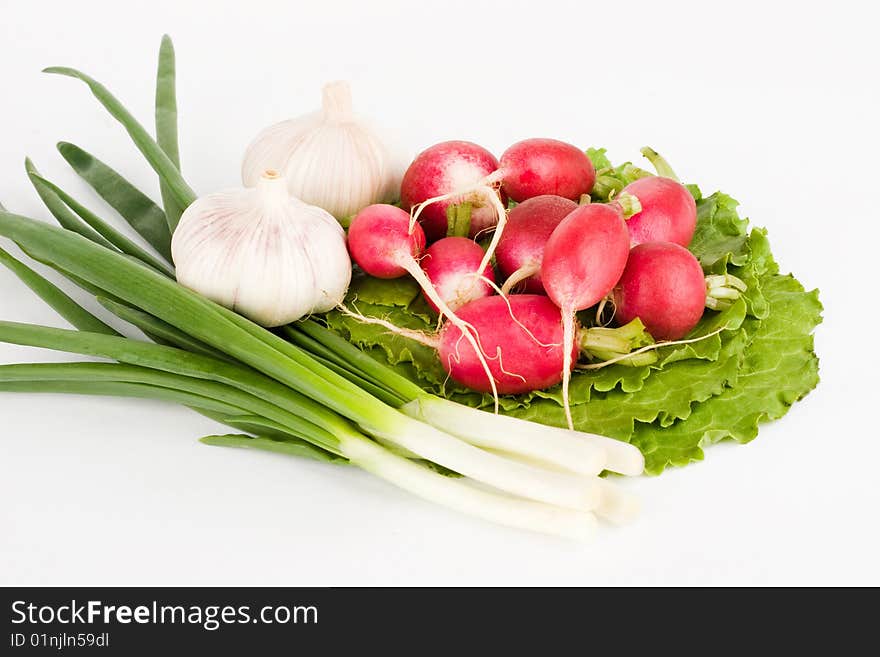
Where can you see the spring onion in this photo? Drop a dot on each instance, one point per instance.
(166, 124)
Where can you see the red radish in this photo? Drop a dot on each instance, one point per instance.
(534, 167)
(453, 172)
(669, 212)
(526, 354)
(521, 247)
(583, 260)
(523, 334)
(441, 171)
(531, 167)
(585, 255)
(663, 285)
(379, 238)
(381, 242)
(450, 264)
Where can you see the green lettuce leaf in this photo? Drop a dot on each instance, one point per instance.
(610, 179)
(721, 236)
(667, 394)
(778, 368)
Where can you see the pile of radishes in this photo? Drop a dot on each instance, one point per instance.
(512, 327)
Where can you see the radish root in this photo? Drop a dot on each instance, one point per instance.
(501, 211)
(456, 358)
(416, 210)
(501, 294)
(419, 336)
(412, 267)
(601, 309)
(505, 371)
(519, 276)
(486, 183)
(568, 344)
(484, 188)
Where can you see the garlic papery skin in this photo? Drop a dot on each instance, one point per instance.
(330, 158)
(262, 253)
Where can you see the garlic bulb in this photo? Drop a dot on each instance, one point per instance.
(262, 252)
(330, 158)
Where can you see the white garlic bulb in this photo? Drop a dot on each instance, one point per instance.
(330, 158)
(262, 253)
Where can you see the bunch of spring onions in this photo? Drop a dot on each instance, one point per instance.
(300, 389)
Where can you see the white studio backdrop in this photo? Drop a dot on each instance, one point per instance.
(774, 103)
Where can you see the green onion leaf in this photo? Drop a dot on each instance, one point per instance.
(121, 373)
(356, 360)
(156, 328)
(107, 231)
(288, 446)
(166, 123)
(157, 158)
(174, 362)
(59, 210)
(141, 213)
(119, 389)
(56, 298)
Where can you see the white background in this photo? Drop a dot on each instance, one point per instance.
(775, 103)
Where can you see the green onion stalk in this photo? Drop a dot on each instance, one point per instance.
(322, 396)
